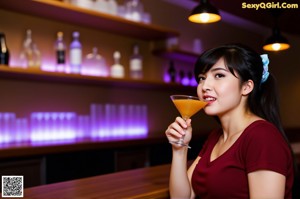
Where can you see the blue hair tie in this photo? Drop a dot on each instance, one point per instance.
(265, 74)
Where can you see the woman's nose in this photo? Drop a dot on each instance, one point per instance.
(206, 84)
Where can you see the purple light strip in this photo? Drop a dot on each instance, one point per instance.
(106, 121)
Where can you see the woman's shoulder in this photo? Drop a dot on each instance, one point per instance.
(262, 127)
(264, 133)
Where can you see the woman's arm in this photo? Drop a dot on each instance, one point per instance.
(179, 182)
(265, 184)
(190, 173)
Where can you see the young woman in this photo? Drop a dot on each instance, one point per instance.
(249, 156)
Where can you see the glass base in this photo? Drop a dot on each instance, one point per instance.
(180, 143)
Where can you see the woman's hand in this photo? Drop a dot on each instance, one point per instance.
(179, 128)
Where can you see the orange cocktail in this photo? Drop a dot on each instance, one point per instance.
(187, 107)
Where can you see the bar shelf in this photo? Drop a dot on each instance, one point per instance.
(45, 76)
(65, 12)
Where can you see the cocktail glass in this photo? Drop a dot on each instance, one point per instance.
(187, 107)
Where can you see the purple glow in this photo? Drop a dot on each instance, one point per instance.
(111, 120)
(185, 81)
(105, 121)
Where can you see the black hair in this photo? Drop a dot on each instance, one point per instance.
(246, 64)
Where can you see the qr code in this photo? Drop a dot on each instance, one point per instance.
(12, 186)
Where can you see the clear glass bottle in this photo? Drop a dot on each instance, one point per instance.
(94, 64)
(60, 48)
(4, 52)
(26, 57)
(136, 64)
(117, 70)
(36, 57)
(134, 10)
(75, 54)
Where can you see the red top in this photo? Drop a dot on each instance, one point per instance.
(260, 146)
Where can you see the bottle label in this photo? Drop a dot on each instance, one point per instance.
(136, 64)
(60, 54)
(75, 56)
(117, 71)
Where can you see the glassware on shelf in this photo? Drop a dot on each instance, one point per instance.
(83, 3)
(60, 48)
(4, 52)
(117, 70)
(101, 6)
(112, 7)
(75, 54)
(26, 56)
(136, 63)
(36, 57)
(94, 64)
(184, 80)
(134, 10)
(171, 75)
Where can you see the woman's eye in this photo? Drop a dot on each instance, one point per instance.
(201, 78)
(219, 76)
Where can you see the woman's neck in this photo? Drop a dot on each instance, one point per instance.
(234, 124)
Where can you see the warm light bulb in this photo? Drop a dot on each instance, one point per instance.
(276, 46)
(204, 17)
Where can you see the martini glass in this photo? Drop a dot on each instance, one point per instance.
(187, 107)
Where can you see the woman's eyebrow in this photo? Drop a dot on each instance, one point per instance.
(219, 68)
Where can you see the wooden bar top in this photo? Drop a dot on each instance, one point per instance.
(149, 182)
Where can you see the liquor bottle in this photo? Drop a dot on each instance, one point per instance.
(136, 64)
(75, 54)
(94, 64)
(184, 80)
(60, 48)
(36, 57)
(172, 72)
(4, 52)
(26, 57)
(117, 70)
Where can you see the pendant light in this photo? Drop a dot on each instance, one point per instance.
(204, 13)
(276, 42)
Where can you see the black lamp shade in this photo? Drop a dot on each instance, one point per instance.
(276, 42)
(204, 13)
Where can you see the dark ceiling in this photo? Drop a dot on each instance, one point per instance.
(288, 19)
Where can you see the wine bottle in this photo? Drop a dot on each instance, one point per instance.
(172, 72)
(4, 52)
(136, 64)
(117, 70)
(75, 54)
(60, 49)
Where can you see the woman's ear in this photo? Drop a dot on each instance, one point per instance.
(247, 87)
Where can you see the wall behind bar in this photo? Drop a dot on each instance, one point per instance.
(23, 97)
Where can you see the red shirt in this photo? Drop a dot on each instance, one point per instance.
(260, 146)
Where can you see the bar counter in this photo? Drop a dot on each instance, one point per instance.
(149, 182)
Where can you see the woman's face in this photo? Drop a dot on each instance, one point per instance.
(221, 89)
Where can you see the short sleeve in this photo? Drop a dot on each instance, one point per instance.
(266, 149)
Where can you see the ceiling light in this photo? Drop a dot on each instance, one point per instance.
(276, 42)
(204, 13)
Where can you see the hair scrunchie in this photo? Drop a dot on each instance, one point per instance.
(265, 74)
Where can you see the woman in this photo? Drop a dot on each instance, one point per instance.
(249, 156)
